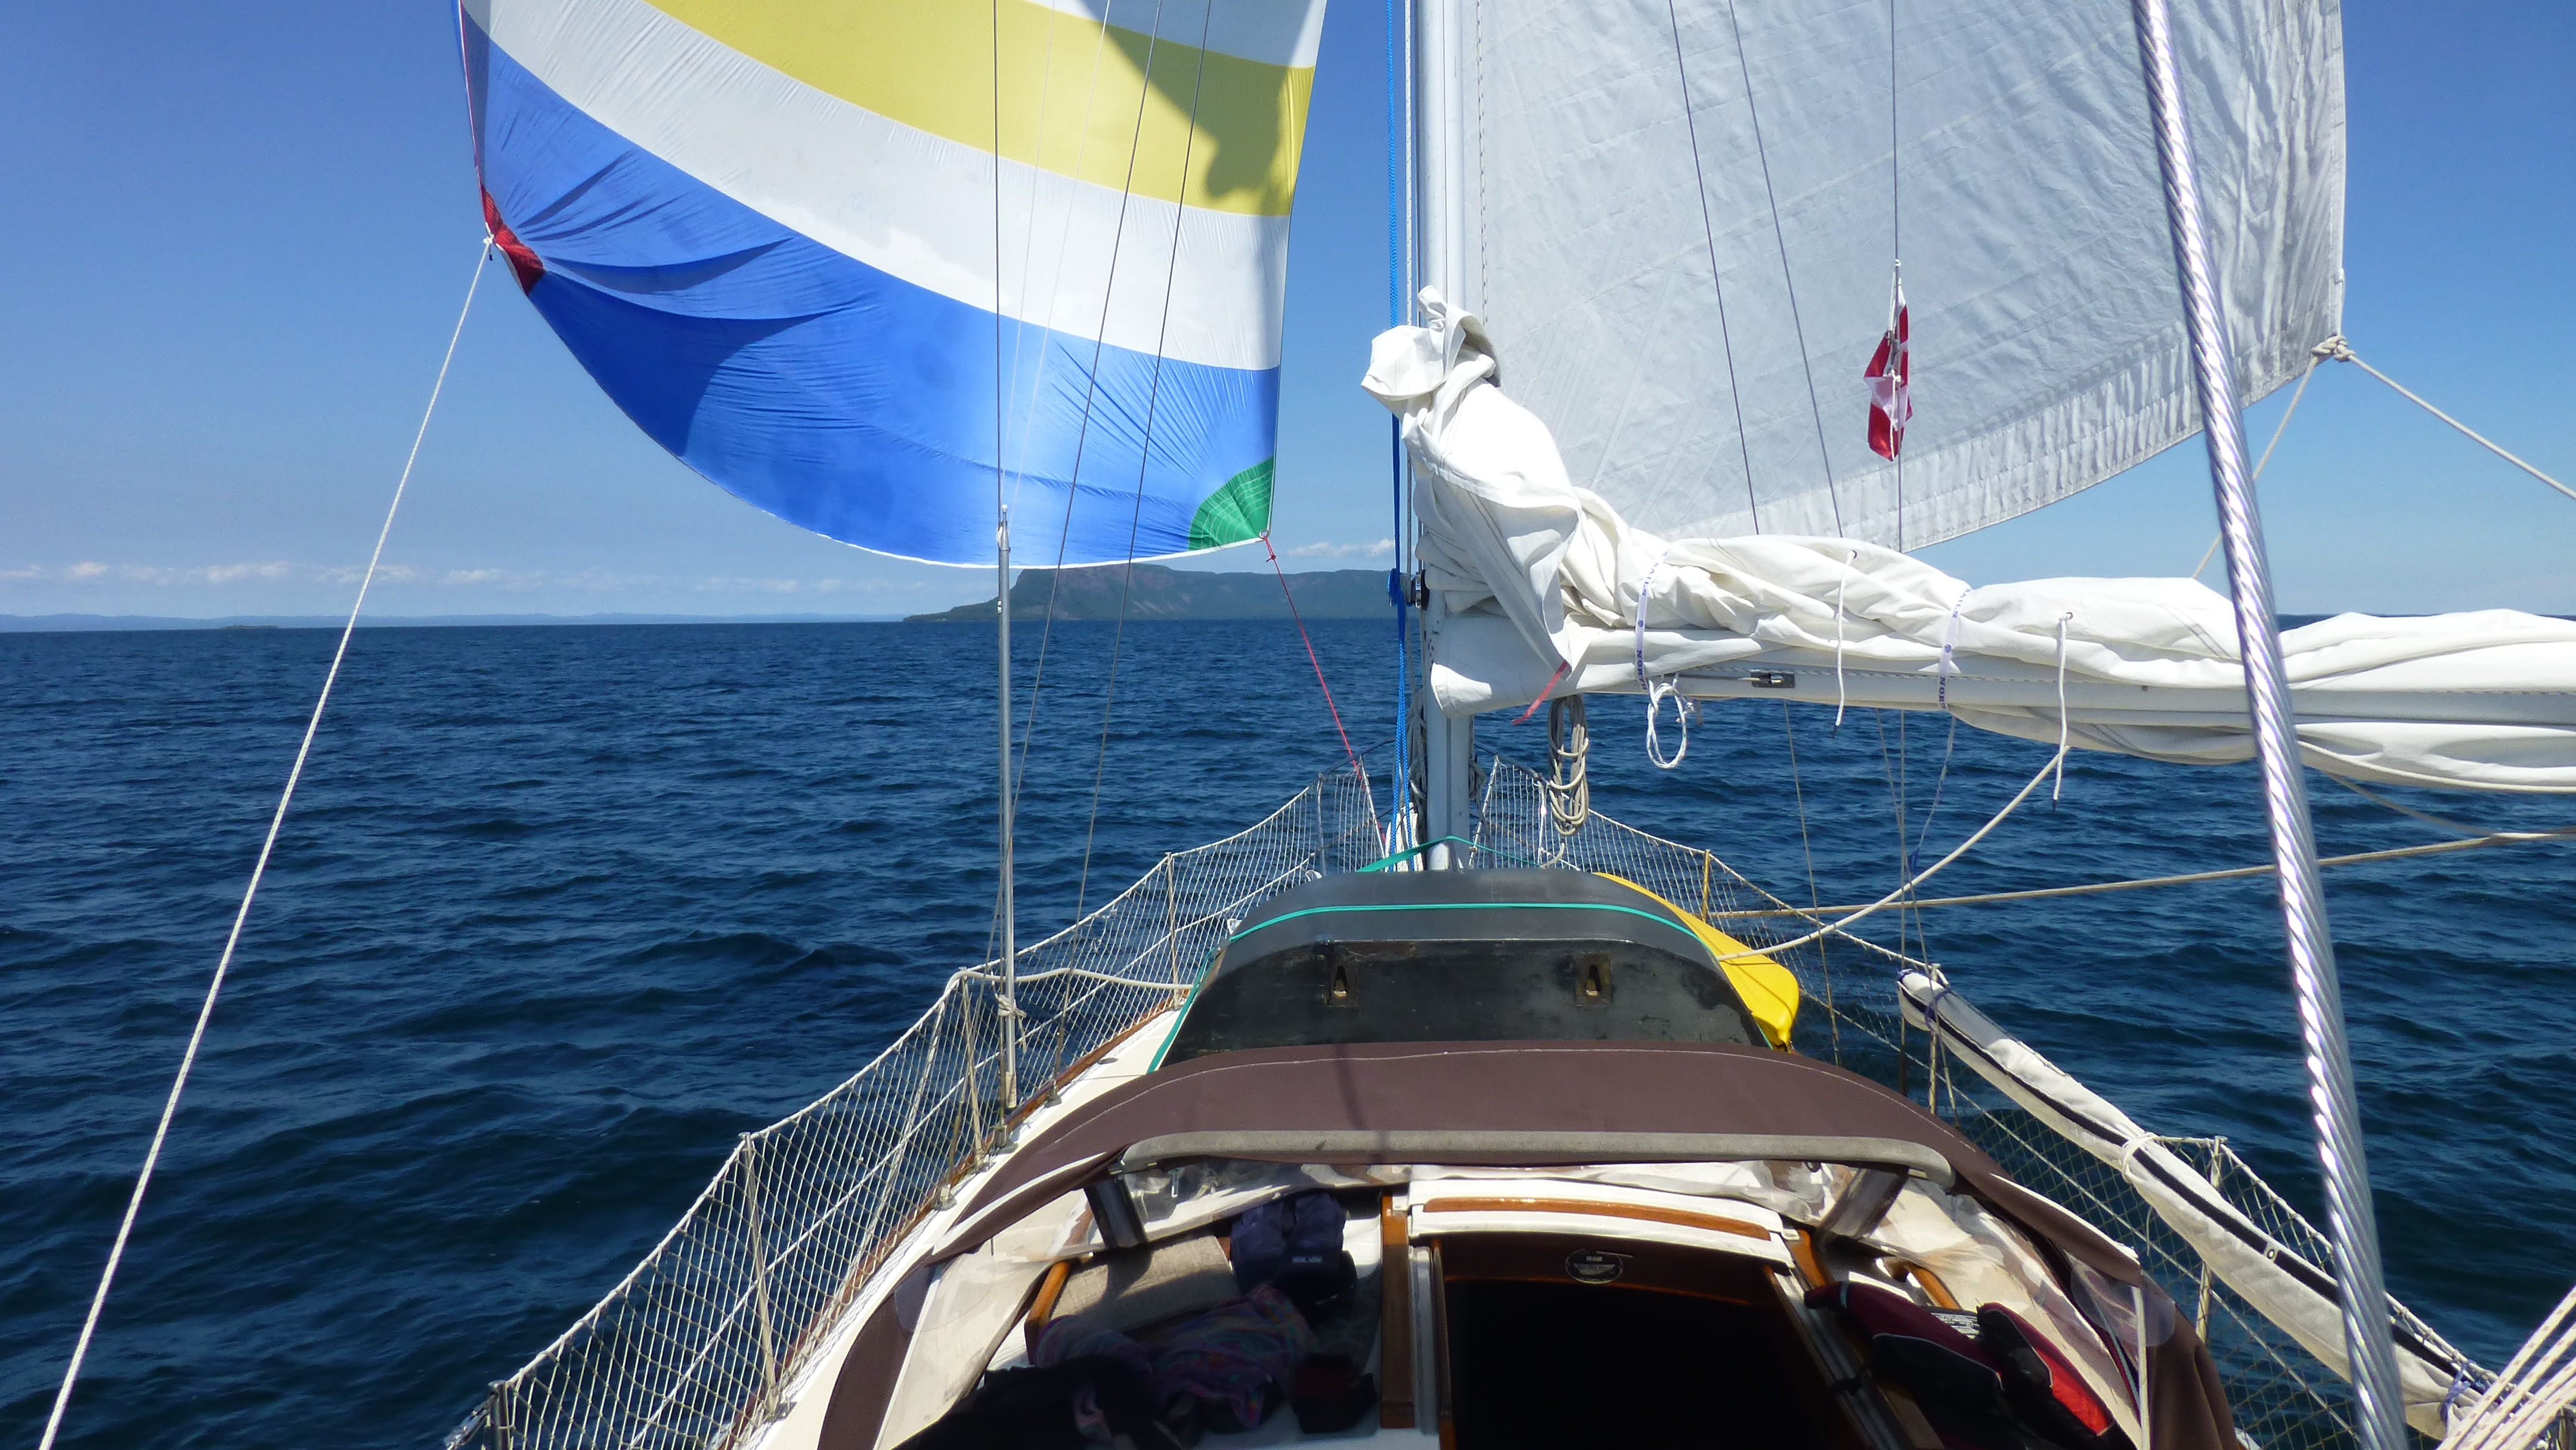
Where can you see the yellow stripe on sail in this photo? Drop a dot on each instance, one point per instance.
(1070, 88)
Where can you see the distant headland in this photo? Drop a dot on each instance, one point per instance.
(1158, 592)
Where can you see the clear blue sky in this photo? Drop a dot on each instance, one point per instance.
(239, 236)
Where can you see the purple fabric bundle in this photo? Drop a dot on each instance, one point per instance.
(1235, 1359)
(1231, 1364)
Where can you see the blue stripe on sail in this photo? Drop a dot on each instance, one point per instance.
(834, 395)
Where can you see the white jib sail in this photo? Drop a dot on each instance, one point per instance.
(1548, 590)
(1680, 223)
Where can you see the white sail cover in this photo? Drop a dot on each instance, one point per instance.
(2283, 1287)
(1545, 589)
(2047, 339)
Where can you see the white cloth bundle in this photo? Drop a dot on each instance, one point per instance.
(1543, 582)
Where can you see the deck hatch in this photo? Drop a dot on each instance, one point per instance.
(1463, 956)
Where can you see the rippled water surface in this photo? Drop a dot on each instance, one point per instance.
(562, 910)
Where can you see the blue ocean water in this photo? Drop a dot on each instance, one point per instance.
(562, 910)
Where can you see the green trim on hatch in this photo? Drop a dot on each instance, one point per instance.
(1663, 921)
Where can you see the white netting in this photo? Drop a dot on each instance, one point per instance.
(2283, 1398)
(690, 1351)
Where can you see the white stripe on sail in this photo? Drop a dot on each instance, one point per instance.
(908, 203)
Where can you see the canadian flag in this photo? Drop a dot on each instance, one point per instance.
(1890, 373)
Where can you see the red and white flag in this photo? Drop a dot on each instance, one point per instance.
(1890, 373)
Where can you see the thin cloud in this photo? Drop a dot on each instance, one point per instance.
(1379, 549)
(507, 581)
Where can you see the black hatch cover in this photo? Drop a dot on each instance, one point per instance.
(1461, 956)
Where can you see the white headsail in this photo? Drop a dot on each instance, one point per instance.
(2020, 188)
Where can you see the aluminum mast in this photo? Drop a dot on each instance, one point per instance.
(1444, 178)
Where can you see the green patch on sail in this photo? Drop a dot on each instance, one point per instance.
(1236, 512)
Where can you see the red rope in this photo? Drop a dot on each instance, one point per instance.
(1542, 694)
(1291, 596)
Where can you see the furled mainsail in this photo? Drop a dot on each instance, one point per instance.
(852, 261)
(2001, 146)
(1546, 589)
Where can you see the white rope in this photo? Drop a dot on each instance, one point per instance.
(2513, 1399)
(1950, 650)
(1927, 873)
(2060, 789)
(1568, 787)
(1684, 709)
(1841, 698)
(2341, 351)
(2238, 873)
(1658, 691)
(188, 1061)
(2457, 828)
(2315, 356)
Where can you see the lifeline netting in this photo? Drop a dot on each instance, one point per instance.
(2282, 1396)
(693, 1348)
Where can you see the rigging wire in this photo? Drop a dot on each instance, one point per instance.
(2459, 828)
(1900, 793)
(1708, 230)
(2277, 430)
(1798, 790)
(1903, 894)
(1895, 236)
(1895, 803)
(1780, 237)
(2339, 350)
(1037, 384)
(1099, 343)
(1082, 441)
(2194, 878)
(1028, 236)
(258, 871)
(1940, 783)
(1007, 1001)
(1145, 449)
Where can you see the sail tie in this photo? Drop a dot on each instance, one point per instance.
(2060, 789)
(1643, 590)
(1841, 698)
(1950, 647)
(1657, 691)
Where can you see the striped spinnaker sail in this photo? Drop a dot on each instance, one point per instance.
(852, 260)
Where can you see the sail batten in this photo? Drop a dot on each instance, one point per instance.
(809, 253)
(2021, 193)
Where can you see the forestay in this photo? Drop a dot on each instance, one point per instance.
(859, 265)
(1549, 590)
(1681, 222)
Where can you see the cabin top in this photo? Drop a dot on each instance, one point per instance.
(1473, 956)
